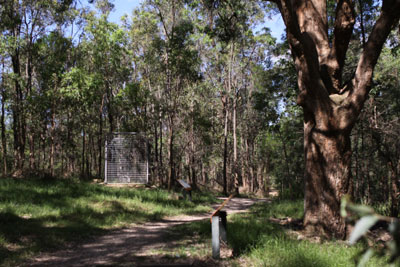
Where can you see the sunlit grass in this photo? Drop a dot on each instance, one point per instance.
(37, 215)
(264, 243)
(256, 241)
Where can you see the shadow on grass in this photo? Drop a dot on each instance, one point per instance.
(58, 193)
(42, 215)
(199, 229)
(30, 235)
(300, 260)
(34, 235)
(253, 235)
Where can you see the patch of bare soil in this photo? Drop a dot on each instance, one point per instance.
(131, 246)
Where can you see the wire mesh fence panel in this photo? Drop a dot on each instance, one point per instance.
(126, 158)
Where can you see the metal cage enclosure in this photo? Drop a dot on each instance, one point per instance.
(126, 159)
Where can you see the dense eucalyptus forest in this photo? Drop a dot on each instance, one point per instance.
(223, 103)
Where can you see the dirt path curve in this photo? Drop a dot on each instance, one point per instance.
(119, 247)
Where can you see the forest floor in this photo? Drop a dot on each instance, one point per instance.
(141, 245)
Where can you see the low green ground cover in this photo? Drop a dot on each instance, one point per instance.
(255, 240)
(261, 242)
(38, 215)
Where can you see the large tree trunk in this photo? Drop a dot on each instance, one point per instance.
(327, 177)
(331, 107)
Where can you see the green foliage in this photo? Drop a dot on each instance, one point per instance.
(362, 226)
(375, 140)
(280, 140)
(167, 66)
(366, 218)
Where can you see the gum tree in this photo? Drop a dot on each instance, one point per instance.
(331, 105)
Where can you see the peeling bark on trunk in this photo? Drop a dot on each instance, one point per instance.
(331, 107)
(327, 177)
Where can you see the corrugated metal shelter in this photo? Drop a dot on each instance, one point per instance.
(126, 159)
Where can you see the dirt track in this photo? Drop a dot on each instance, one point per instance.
(123, 247)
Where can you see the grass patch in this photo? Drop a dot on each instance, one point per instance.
(259, 242)
(256, 241)
(40, 215)
(187, 241)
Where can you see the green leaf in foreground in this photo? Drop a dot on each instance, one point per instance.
(361, 227)
(361, 210)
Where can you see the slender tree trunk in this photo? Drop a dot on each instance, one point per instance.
(363, 38)
(243, 164)
(161, 165)
(31, 138)
(92, 154)
(224, 171)
(248, 175)
(83, 156)
(202, 173)
(69, 145)
(234, 110)
(44, 145)
(3, 131)
(261, 180)
(62, 160)
(253, 167)
(192, 167)
(394, 192)
(100, 138)
(251, 183)
(287, 179)
(192, 160)
(364, 180)
(235, 161)
(356, 193)
(267, 176)
(18, 124)
(52, 143)
(156, 160)
(171, 169)
(110, 110)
